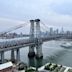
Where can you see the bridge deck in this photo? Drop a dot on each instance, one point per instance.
(19, 43)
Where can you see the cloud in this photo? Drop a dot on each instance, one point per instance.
(57, 20)
(7, 24)
(55, 13)
(63, 7)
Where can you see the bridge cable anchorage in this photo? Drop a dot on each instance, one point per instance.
(13, 28)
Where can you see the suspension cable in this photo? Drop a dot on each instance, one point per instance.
(14, 28)
(44, 25)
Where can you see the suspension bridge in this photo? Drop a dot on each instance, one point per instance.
(34, 41)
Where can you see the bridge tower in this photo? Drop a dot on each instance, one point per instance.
(39, 41)
(31, 48)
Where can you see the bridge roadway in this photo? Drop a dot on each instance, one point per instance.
(20, 43)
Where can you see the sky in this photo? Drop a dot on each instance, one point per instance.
(54, 13)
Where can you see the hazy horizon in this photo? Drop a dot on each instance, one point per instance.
(54, 13)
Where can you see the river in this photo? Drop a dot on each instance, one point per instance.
(52, 52)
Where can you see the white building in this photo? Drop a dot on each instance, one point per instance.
(6, 67)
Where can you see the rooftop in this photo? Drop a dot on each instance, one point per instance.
(5, 65)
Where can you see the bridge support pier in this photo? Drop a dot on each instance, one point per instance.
(31, 51)
(39, 52)
(2, 56)
(39, 42)
(12, 56)
(31, 48)
(18, 55)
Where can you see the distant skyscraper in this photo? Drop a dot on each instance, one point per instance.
(51, 31)
(57, 31)
(62, 31)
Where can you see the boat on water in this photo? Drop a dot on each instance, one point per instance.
(66, 45)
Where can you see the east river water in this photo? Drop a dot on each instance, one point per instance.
(52, 52)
